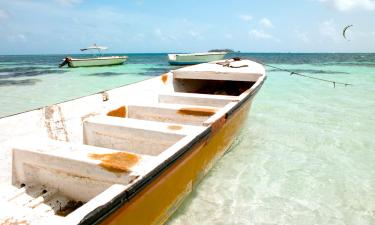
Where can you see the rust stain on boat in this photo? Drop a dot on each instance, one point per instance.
(14, 221)
(164, 78)
(120, 112)
(55, 123)
(118, 162)
(174, 127)
(197, 111)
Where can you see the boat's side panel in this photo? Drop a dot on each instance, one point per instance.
(156, 203)
(183, 63)
(195, 59)
(95, 62)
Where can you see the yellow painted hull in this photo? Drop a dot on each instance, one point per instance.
(157, 202)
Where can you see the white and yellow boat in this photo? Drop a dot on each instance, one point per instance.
(125, 156)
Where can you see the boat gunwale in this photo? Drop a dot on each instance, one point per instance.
(199, 54)
(97, 216)
(77, 98)
(250, 96)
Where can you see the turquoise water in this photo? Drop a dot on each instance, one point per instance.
(306, 154)
(28, 82)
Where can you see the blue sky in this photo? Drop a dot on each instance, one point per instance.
(64, 26)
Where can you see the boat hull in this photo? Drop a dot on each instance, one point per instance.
(158, 201)
(101, 61)
(191, 59)
(131, 154)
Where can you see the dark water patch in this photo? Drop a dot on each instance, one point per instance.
(310, 71)
(25, 68)
(106, 74)
(162, 58)
(25, 82)
(148, 58)
(6, 75)
(49, 60)
(305, 58)
(359, 64)
(156, 71)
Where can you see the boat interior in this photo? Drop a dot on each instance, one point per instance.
(62, 181)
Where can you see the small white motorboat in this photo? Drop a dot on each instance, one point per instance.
(94, 61)
(195, 58)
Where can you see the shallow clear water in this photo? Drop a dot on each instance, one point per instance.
(305, 156)
(28, 82)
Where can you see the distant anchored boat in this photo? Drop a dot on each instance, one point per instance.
(94, 61)
(125, 156)
(195, 58)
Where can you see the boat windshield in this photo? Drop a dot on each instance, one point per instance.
(94, 47)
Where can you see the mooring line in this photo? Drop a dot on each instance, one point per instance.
(299, 74)
(303, 75)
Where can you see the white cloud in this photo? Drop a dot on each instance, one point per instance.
(195, 34)
(302, 36)
(266, 23)
(139, 36)
(18, 38)
(328, 29)
(165, 37)
(68, 2)
(228, 36)
(346, 5)
(139, 2)
(245, 17)
(160, 34)
(260, 34)
(3, 15)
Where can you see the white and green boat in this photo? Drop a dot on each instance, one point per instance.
(195, 58)
(95, 60)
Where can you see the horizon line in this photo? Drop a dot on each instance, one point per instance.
(33, 54)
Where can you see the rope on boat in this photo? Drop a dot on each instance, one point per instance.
(303, 75)
(227, 64)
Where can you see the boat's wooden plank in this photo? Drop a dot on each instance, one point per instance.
(214, 75)
(167, 128)
(67, 166)
(243, 70)
(172, 113)
(123, 134)
(253, 88)
(197, 99)
(220, 114)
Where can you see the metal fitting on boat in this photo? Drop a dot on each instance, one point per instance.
(105, 96)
